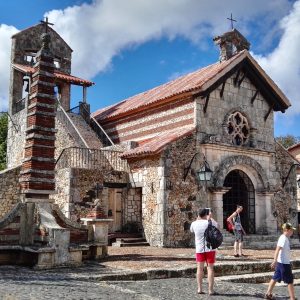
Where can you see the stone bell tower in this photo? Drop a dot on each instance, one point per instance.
(231, 43)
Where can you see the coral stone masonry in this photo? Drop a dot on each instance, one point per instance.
(38, 165)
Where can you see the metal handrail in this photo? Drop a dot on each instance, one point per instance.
(101, 128)
(71, 122)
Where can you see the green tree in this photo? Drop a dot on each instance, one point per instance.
(3, 140)
(288, 140)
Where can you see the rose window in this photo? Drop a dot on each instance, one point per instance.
(238, 128)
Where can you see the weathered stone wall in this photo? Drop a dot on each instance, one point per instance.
(183, 197)
(285, 201)
(9, 190)
(147, 123)
(76, 194)
(145, 174)
(169, 204)
(31, 39)
(133, 207)
(16, 139)
(212, 125)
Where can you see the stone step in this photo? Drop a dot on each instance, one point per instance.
(246, 267)
(131, 240)
(137, 244)
(254, 277)
(86, 132)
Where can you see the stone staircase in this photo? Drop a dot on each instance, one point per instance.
(86, 132)
(130, 242)
(256, 241)
(251, 272)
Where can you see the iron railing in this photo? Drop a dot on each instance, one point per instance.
(75, 157)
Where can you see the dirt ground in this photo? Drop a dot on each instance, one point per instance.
(140, 258)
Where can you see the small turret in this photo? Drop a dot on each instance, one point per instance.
(231, 43)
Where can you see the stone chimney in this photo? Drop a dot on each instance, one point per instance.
(231, 43)
(37, 175)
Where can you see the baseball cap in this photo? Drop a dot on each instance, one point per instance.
(287, 226)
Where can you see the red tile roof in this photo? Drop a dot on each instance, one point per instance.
(156, 144)
(191, 83)
(59, 75)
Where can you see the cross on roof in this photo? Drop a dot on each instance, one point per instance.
(232, 20)
(46, 23)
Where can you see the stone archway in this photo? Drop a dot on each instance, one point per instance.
(257, 176)
(241, 193)
(247, 164)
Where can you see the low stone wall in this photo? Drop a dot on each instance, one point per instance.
(9, 190)
(76, 194)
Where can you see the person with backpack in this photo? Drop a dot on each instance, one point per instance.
(238, 230)
(204, 252)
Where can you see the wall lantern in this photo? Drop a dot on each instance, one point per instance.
(204, 174)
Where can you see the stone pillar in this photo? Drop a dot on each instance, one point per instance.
(265, 218)
(216, 204)
(37, 174)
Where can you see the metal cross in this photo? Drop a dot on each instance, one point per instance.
(232, 20)
(46, 23)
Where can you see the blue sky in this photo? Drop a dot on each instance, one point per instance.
(127, 47)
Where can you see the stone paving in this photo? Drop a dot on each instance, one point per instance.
(21, 283)
(25, 284)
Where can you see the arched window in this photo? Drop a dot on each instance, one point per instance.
(238, 128)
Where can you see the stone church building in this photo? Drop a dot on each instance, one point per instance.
(137, 162)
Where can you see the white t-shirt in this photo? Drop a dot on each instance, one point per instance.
(284, 253)
(199, 227)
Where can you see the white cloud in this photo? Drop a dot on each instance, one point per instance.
(100, 30)
(5, 41)
(283, 64)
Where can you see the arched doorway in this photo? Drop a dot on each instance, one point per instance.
(241, 193)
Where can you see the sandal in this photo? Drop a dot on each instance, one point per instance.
(236, 255)
(201, 292)
(269, 297)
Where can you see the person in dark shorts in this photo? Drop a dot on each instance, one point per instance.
(238, 231)
(282, 263)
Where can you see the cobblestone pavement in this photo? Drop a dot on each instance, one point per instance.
(24, 284)
(20, 283)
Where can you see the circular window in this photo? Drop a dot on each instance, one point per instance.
(238, 128)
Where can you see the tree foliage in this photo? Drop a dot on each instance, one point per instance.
(288, 140)
(3, 140)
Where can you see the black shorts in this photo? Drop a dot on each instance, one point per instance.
(283, 272)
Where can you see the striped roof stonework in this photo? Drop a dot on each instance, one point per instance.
(58, 75)
(188, 85)
(158, 143)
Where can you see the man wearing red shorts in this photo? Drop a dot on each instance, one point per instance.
(204, 254)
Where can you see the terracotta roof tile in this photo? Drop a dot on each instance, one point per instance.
(194, 82)
(59, 75)
(187, 83)
(158, 143)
